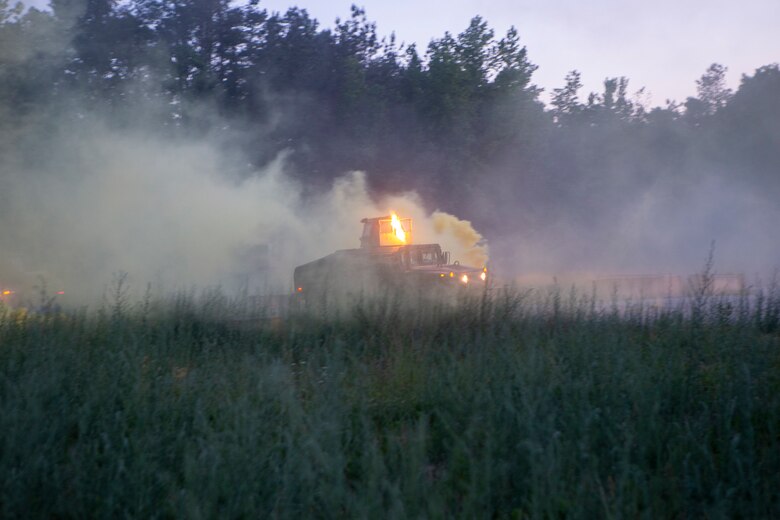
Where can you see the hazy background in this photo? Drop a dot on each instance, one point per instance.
(180, 215)
(167, 139)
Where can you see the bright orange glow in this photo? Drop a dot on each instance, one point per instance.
(7, 292)
(300, 289)
(398, 228)
(452, 274)
(395, 231)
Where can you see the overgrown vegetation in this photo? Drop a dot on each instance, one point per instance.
(521, 405)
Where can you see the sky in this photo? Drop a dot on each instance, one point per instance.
(662, 45)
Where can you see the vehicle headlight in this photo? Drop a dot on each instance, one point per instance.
(483, 276)
(464, 278)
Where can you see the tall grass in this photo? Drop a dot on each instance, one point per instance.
(520, 405)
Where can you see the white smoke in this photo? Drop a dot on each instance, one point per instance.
(173, 214)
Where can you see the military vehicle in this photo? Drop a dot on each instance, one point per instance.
(386, 261)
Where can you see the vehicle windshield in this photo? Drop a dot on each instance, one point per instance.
(424, 257)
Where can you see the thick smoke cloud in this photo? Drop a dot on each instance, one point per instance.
(667, 227)
(179, 214)
(467, 239)
(82, 204)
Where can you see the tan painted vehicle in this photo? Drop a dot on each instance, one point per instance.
(387, 261)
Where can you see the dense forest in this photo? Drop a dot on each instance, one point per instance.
(461, 122)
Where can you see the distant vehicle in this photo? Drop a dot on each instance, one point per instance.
(31, 291)
(387, 260)
(7, 296)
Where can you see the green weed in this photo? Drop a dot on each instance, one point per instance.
(520, 405)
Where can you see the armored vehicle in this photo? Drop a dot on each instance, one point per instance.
(387, 260)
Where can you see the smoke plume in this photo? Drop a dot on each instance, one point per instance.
(181, 214)
(466, 238)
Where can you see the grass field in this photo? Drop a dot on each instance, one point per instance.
(526, 405)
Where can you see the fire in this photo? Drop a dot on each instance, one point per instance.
(398, 229)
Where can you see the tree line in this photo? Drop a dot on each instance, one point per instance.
(461, 121)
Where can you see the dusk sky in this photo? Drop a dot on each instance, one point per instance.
(663, 45)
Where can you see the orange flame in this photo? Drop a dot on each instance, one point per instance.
(398, 228)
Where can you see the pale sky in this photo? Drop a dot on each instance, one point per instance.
(663, 45)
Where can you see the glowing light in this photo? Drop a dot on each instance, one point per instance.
(7, 292)
(300, 289)
(483, 276)
(60, 292)
(452, 274)
(464, 278)
(398, 229)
